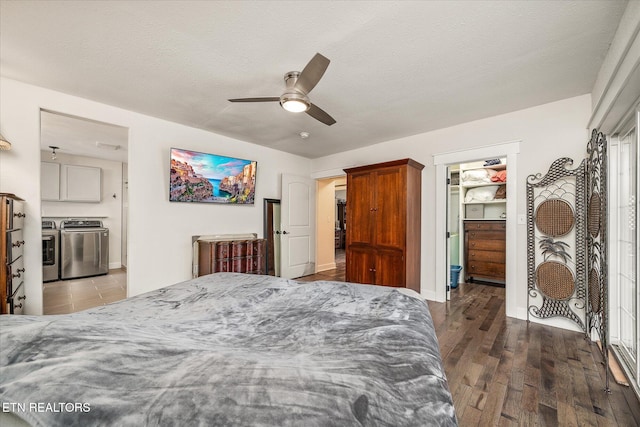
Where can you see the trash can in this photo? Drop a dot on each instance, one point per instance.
(455, 275)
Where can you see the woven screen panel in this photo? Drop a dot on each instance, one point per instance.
(594, 290)
(593, 215)
(555, 280)
(554, 217)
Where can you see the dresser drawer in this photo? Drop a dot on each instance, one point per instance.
(485, 235)
(16, 270)
(223, 249)
(485, 225)
(17, 300)
(491, 256)
(486, 245)
(15, 245)
(15, 214)
(486, 269)
(254, 264)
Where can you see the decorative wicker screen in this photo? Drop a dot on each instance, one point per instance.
(598, 307)
(567, 244)
(555, 242)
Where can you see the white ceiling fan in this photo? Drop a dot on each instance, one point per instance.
(298, 85)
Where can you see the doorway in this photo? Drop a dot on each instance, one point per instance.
(443, 162)
(84, 161)
(271, 232)
(331, 202)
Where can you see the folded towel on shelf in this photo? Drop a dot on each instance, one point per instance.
(481, 194)
(477, 176)
(500, 176)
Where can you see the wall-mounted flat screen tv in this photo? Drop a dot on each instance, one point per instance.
(209, 178)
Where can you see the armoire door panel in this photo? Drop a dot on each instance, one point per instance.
(359, 209)
(389, 209)
(360, 266)
(390, 268)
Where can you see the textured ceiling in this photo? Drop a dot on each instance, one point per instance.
(397, 68)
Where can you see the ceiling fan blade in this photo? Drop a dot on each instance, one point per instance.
(312, 73)
(319, 114)
(269, 99)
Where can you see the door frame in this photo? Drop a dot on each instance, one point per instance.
(442, 161)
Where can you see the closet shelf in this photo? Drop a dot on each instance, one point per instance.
(481, 202)
(484, 184)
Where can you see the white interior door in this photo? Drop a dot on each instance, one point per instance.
(297, 256)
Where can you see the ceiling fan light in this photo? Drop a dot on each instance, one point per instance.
(294, 102)
(295, 105)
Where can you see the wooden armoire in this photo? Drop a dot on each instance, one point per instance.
(383, 224)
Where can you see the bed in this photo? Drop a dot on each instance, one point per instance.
(230, 349)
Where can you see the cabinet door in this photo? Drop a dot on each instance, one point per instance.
(361, 264)
(50, 181)
(390, 268)
(81, 183)
(389, 208)
(359, 208)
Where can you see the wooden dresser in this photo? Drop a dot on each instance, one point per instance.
(237, 256)
(11, 260)
(383, 224)
(484, 243)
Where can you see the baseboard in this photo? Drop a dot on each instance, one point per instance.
(429, 295)
(325, 267)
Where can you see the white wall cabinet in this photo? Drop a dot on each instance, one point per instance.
(70, 183)
(50, 181)
(80, 184)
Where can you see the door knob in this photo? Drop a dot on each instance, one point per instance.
(277, 232)
(285, 232)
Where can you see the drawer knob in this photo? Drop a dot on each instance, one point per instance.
(16, 275)
(22, 297)
(18, 243)
(17, 305)
(20, 215)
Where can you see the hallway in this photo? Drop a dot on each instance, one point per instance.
(337, 274)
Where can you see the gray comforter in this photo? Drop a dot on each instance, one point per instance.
(230, 350)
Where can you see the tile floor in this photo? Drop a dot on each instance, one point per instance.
(69, 296)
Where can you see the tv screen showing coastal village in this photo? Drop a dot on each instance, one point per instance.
(200, 177)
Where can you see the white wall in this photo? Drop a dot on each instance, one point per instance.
(546, 132)
(159, 241)
(109, 207)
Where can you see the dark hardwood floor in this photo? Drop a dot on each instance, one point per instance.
(507, 372)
